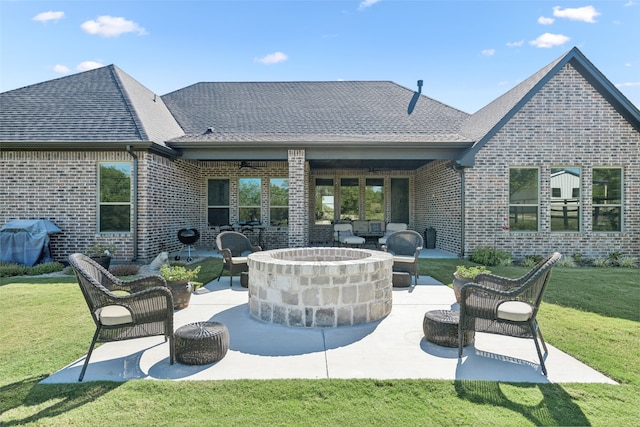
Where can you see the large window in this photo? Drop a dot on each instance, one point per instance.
(349, 198)
(279, 202)
(523, 199)
(324, 201)
(374, 199)
(218, 202)
(249, 198)
(399, 200)
(607, 199)
(565, 199)
(114, 181)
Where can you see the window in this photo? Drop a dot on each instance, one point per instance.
(349, 198)
(218, 202)
(114, 181)
(249, 197)
(399, 200)
(374, 199)
(607, 199)
(279, 202)
(324, 201)
(565, 199)
(523, 199)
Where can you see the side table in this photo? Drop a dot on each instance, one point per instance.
(201, 343)
(441, 327)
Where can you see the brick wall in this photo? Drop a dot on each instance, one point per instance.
(566, 124)
(437, 204)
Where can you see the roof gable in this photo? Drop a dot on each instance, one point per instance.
(486, 122)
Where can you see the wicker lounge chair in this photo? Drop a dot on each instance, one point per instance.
(234, 248)
(145, 309)
(505, 306)
(405, 246)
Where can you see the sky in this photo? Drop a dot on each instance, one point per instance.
(467, 52)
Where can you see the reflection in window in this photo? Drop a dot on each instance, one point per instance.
(523, 199)
(114, 182)
(565, 203)
(279, 202)
(349, 198)
(607, 199)
(218, 202)
(249, 196)
(324, 201)
(374, 199)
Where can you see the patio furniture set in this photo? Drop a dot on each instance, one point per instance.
(143, 307)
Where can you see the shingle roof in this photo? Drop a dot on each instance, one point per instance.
(310, 111)
(104, 104)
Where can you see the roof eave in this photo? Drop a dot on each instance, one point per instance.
(90, 146)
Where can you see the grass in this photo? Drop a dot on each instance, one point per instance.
(590, 313)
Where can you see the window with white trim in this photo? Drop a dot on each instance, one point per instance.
(523, 199)
(249, 200)
(279, 202)
(565, 199)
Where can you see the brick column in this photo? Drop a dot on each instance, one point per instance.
(298, 200)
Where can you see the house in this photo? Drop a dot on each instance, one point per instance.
(106, 159)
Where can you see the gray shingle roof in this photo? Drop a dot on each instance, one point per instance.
(310, 111)
(104, 104)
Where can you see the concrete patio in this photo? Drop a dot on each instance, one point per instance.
(392, 348)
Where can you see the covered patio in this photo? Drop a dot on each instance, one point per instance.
(391, 348)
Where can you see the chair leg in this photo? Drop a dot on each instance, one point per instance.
(86, 360)
(535, 332)
(460, 338)
(172, 350)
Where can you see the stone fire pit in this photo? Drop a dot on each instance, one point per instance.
(320, 287)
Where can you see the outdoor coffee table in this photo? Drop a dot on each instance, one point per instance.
(441, 327)
(201, 343)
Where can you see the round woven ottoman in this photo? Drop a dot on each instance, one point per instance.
(441, 327)
(201, 343)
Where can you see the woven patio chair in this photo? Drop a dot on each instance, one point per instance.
(405, 246)
(234, 248)
(503, 306)
(391, 228)
(141, 307)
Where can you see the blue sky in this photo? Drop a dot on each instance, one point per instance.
(467, 52)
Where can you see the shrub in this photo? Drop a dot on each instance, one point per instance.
(124, 270)
(601, 262)
(46, 268)
(10, 269)
(566, 262)
(531, 260)
(627, 262)
(471, 272)
(489, 256)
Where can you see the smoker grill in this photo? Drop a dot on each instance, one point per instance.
(187, 236)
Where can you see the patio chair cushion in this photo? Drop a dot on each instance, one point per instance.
(516, 311)
(404, 258)
(239, 260)
(112, 315)
(352, 240)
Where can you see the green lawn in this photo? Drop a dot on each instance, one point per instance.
(592, 314)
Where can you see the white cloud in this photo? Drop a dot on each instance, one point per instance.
(272, 58)
(60, 69)
(630, 3)
(112, 26)
(549, 40)
(88, 65)
(489, 52)
(48, 16)
(628, 84)
(543, 20)
(515, 44)
(584, 14)
(367, 3)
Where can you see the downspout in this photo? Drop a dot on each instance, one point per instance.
(460, 170)
(134, 203)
